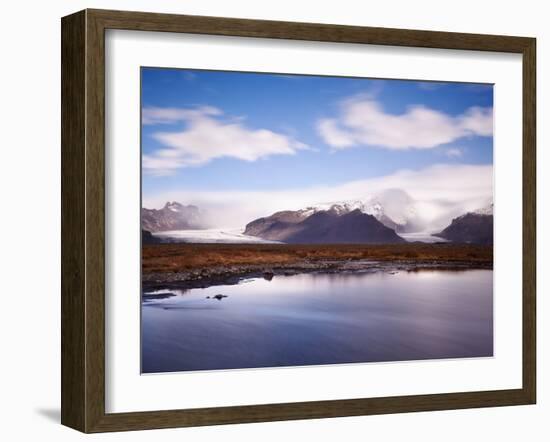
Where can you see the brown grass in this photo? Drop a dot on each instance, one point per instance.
(183, 257)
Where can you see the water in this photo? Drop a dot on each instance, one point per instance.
(317, 319)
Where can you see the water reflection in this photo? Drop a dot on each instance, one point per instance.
(320, 319)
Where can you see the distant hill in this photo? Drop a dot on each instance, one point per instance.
(472, 227)
(315, 226)
(148, 238)
(173, 216)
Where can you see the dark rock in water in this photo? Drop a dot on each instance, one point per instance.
(219, 296)
(268, 276)
(155, 296)
(208, 297)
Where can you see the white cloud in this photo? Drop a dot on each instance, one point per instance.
(440, 193)
(478, 121)
(207, 135)
(171, 115)
(363, 122)
(333, 135)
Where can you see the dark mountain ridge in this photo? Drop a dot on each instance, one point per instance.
(148, 238)
(322, 227)
(471, 228)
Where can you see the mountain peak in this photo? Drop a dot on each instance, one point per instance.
(173, 206)
(394, 208)
(173, 216)
(487, 210)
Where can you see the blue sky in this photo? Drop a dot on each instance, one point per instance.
(213, 131)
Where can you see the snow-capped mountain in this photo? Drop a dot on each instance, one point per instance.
(337, 207)
(394, 208)
(173, 216)
(324, 224)
(488, 210)
(174, 206)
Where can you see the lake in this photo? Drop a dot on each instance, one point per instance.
(313, 319)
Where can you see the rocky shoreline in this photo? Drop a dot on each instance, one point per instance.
(234, 274)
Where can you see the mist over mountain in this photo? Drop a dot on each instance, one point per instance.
(396, 209)
(173, 216)
(416, 200)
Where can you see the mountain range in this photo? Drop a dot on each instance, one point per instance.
(173, 216)
(375, 220)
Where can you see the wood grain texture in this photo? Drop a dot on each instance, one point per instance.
(529, 221)
(83, 220)
(95, 222)
(73, 258)
(144, 21)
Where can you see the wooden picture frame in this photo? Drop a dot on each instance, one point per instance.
(83, 220)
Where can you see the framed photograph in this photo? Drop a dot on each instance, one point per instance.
(268, 221)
